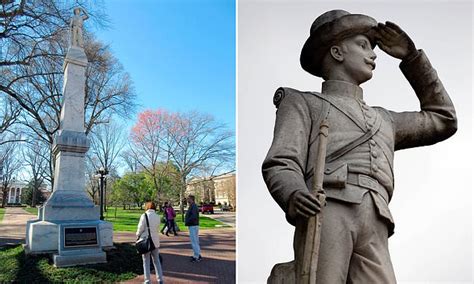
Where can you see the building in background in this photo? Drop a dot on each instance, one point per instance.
(219, 190)
(16, 188)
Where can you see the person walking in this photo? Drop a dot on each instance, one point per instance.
(142, 232)
(192, 222)
(170, 215)
(165, 219)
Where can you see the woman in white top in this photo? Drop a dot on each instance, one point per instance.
(142, 232)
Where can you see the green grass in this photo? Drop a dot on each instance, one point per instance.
(32, 210)
(127, 220)
(2, 212)
(122, 264)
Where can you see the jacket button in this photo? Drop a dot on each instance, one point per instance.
(374, 154)
(372, 142)
(375, 168)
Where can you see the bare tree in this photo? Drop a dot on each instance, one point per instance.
(92, 182)
(198, 140)
(130, 159)
(35, 42)
(9, 113)
(149, 137)
(189, 141)
(10, 164)
(35, 156)
(107, 141)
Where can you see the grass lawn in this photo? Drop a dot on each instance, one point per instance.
(2, 212)
(127, 220)
(32, 210)
(122, 264)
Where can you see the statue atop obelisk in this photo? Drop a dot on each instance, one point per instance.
(76, 25)
(68, 223)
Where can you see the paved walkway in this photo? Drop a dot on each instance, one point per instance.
(227, 218)
(217, 250)
(13, 226)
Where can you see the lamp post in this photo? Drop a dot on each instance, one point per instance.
(102, 174)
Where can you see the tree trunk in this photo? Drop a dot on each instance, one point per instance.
(33, 197)
(181, 196)
(5, 196)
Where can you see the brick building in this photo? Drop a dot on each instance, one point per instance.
(220, 189)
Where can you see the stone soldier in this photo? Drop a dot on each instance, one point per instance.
(358, 177)
(76, 25)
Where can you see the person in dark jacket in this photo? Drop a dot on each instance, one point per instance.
(165, 220)
(192, 222)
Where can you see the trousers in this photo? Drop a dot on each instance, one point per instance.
(354, 244)
(154, 254)
(194, 236)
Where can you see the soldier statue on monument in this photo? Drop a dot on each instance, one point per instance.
(76, 25)
(349, 241)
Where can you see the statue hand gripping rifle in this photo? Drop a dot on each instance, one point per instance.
(355, 166)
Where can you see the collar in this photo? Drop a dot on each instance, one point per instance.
(342, 88)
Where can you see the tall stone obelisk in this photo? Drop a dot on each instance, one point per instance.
(68, 224)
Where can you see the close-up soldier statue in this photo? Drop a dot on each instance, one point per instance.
(330, 165)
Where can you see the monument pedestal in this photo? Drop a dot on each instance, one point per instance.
(68, 224)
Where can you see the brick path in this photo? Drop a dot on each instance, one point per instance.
(13, 226)
(217, 250)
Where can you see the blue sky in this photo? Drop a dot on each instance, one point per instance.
(179, 53)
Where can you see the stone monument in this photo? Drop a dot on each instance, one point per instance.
(330, 166)
(68, 224)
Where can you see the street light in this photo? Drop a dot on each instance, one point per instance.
(102, 174)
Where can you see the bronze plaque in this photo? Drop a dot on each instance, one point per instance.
(82, 236)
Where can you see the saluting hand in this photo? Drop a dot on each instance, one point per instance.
(394, 41)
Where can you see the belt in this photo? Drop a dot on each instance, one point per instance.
(368, 182)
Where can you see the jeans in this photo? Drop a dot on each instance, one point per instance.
(194, 236)
(171, 226)
(164, 226)
(156, 262)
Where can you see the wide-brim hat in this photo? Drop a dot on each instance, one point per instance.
(330, 28)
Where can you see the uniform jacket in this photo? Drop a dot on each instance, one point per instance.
(154, 221)
(289, 164)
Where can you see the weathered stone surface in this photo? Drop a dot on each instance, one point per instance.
(80, 258)
(358, 177)
(70, 205)
(42, 237)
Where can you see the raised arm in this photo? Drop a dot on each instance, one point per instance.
(86, 16)
(436, 121)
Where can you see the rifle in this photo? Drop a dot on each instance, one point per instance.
(303, 269)
(306, 264)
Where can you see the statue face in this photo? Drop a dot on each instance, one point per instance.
(358, 58)
(77, 11)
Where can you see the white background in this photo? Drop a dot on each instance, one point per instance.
(432, 203)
